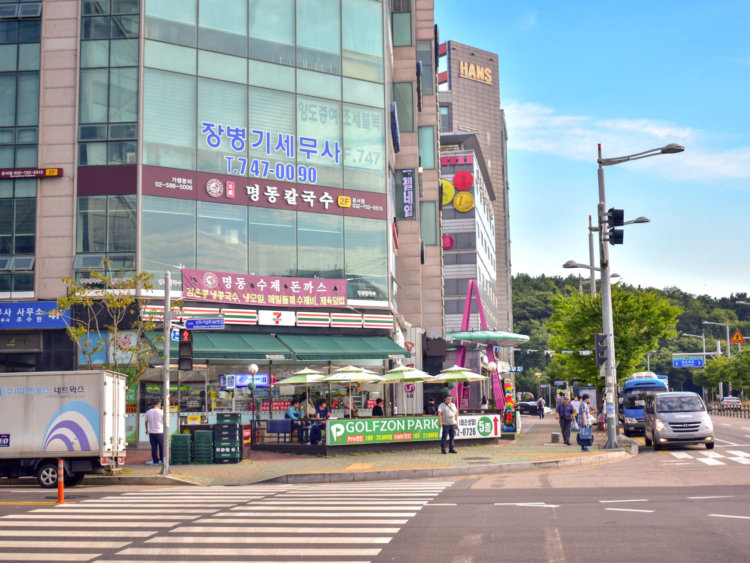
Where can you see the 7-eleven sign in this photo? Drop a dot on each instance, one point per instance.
(737, 338)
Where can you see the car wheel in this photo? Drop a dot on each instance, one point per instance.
(627, 433)
(646, 438)
(656, 444)
(709, 445)
(46, 475)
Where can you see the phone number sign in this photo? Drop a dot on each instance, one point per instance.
(478, 426)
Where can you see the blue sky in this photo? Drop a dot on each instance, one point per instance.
(631, 76)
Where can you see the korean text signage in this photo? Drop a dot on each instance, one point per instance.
(262, 192)
(475, 72)
(10, 173)
(479, 426)
(687, 361)
(405, 196)
(223, 287)
(31, 314)
(382, 430)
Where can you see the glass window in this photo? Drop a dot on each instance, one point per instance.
(272, 242)
(272, 31)
(92, 154)
(23, 283)
(170, 57)
(424, 54)
(318, 84)
(223, 26)
(320, 245)
(173, 21)
(95, 28)
(124, 27)
(444, 119)
(320, 120)
(428, 222)
(364, 148)
(91, 233)
(401, 29)
(26, 156)
(27, 110)
(94, 7)
(319, 36)
(124, 52)
(125, 6)
(26, 187)
(94, 54)
(361, 92)
(8, 99)
(93, 96)
(122, 152)
(24, 240)
(403, 95)
(6, 226)
(222, 237)
(121, 223)
(270, 75)
(164, 222)
(274, 112)
(8, 57)
(169, 119)
(221, 103)
(123, 94)
(30, 31)
(362, 48)
(8, 31)
(426, 147)
(122, 131)
(29, 57)
(365, 255)
(222, 67)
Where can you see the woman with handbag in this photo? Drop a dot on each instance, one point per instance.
(585, 436)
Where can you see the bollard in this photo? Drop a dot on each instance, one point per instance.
(555, 437)
(60, 482)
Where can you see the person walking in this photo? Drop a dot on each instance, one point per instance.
(155, 432)
(584, 424)
(564, 413)
(540, 407)
(448, 420)
(576, 403)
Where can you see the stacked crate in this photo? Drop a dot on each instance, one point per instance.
(227, 442)
(179, 450)
(203, 446)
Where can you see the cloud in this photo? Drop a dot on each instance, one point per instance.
(528, 21)
(537, 128)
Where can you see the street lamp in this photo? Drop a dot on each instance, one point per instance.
(702, 336)
(729, 353)
(648, 359)
(610, 374)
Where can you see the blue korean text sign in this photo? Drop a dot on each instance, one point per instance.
(687, 361)
(32, 314)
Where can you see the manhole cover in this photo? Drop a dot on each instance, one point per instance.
(477, 458)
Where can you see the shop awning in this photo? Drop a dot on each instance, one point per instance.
(324, 347)
(229, 346)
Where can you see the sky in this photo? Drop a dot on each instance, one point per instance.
(632, 76)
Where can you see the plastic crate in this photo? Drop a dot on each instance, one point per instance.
(231, 417)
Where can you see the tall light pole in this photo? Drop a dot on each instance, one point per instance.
(729, 353)
(702, 336)
(610, 374)
(648, 359)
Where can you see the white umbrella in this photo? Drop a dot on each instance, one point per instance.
(458, 376)
(304, 377)
(357, 375)
(406, 374)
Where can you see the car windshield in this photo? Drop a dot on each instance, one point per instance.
(633, 398)
(678, 404)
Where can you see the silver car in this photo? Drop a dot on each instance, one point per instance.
(677, 418)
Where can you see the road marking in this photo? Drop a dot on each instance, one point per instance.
(80, 534)
(78, 509)
(711, 454)
(739, 453)
(328, 514)
(62, 544)
(530, 504)
(282, 530)
(717, 496)
(627, 500)
(442, 504)
(350, 521)
(237, 540)
(9, 503)
(726, 442)
(211, 552)
(681, 455)
(627, 510)
(70, 517)
(26, 556)
(66, 523)
(373, 504)
(286, 507)
(710, 461)
(730, 516)
(741, 460)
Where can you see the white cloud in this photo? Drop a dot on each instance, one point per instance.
(536, 128)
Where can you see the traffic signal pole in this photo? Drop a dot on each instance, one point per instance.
(165, 368)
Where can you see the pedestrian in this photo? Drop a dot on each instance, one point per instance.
(584, 425)
(431, 407)
(564, 413)
(484, 404)
(377, 410)
(155, 433)
(576, 403)
(321, 415)
(559, 399)
(448, 421)
(295, 414)
(540, 407)
(349, 406)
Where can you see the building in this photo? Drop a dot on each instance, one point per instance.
(470, 102)
(247, 147)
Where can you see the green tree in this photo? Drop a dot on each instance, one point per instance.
(105, 319)
(640, 318)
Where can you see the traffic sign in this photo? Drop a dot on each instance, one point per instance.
(176, 334)
(687, 361)
(204, 324)
(737, 338)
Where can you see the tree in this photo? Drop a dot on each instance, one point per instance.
(105, 320)
(640, 318)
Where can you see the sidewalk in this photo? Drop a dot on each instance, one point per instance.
(532, 450)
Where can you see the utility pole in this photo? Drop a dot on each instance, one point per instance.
(165, 368)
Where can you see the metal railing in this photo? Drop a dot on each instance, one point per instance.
(736, 412)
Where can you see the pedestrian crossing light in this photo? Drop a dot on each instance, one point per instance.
(185, 362)
(602, 351)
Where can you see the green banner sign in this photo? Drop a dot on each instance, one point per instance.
(132, 395)
(348, 432)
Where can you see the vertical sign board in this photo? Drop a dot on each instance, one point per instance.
(405, 207)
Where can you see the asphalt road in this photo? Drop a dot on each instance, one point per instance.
(685, 504)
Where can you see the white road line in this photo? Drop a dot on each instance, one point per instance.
(395, 496)
(78, 534)
(738, 453)
(627, 500)
(72, 517)
(225, 561)
(681, 455)
(741, 460)
(373, 504)
(730, 516)
(710, 461)
(716, 496)
(63, 544)
(159, 505)
(627, 510)
(348, 521)
(287, 540)
(442, 504)
(28, 556)
(281, 530)
(210, 553)
(66, 524)
(285, 507)
(711, 454)
(86, 510)
(531, 504)
(316, 516)
(725, 442)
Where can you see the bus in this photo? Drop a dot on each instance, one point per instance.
(633, 395)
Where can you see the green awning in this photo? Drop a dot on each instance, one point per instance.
(325, 347)
(228, 346)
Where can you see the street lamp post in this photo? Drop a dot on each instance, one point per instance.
(729, 354)
(702, 336)
(610, 374)
(648, 359)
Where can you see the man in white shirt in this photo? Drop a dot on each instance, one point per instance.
(155, 432)
(576, 403)
(448, 420)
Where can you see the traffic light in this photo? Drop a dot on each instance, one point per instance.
(185, 362)
(602, 350)
(615, 218)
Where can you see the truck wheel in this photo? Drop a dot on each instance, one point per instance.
(46, 475)
(709, 445)
(73, 480)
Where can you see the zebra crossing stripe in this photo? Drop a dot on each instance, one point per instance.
(230, 519)
(79, 534)
(712, 454)
(96, 509)
(66, 524)
(738, 453)
(234, 539)
(710, 461)
(681, 455)
(337, 507)
(114, 516)
(63, 544)
(741, 460)
(26, 556)
(317, 515)
(210, 553)
(282, 530)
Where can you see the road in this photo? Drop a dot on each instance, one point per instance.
(661, 506)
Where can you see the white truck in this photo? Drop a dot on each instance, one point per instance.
(76, 416)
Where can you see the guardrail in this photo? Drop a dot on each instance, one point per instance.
(736, 412)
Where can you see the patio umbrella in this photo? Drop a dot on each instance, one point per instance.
(405, 374)
(457, 374)
(356, 375)
(497, 337)
(304, 377)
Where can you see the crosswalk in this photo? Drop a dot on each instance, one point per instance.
(710, 458)
(317, 522)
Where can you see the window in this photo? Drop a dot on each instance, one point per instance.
(365, 256)
(403, 95)
(401, 26)
(222, 237)
(321, 119)
(272, 242)
(272, 31)
(17, 225)
(320, 246)
(222, 26)
(221, 103)
(424, 54)
(362, 30)
(427, 147)
(173, 21)
(106, 224)
(364, 149)
(428, 222)
(272, 111)
(319, 36)
(445, 123)
(168, 234)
